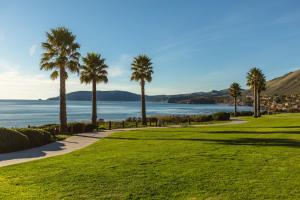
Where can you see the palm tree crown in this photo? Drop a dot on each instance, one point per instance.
(253, 77)
(262, 83)
(235, 90)
(61, 51)
(93, 69)
(142, 69)
(257, 82)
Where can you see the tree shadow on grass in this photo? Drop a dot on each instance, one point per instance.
(239, 141)
(234, 131)
(292, 127)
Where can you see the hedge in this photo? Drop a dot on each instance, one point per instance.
(185, 118)
(12, 140)
(80, 127)
(221, 116)
(37, 137)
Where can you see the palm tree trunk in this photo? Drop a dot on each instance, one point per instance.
(62, 98)
(143, 101)
(235, 107)
(254, 101)
(258, 103)
(94, 109)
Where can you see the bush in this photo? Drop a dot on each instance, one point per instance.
(221, 116)
(133, 119)
(53, 129)
(244, 113)
(89, 127)
(185, 118)
(12, 140)
(201, 118)
(37, 137)
(76, 127)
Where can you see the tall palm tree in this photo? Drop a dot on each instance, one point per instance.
(253, 78)
(61, 55)
(142, 71)
(235, 92)
(262, 86)
(94, 70)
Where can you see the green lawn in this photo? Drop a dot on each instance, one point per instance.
(256, 160)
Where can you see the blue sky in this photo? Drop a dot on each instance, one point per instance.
(195, 45)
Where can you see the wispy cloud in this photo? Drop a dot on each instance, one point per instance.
(17, 84)
(32, 50)
(120, 67)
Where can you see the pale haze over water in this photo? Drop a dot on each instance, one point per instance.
(21, 113)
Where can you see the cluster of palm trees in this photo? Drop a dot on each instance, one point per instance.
(61, 56)
(256, 80)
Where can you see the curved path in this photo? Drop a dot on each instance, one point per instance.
(73, 143)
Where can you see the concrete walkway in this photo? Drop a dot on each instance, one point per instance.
(73, 143)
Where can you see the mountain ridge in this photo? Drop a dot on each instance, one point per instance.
(283, 85)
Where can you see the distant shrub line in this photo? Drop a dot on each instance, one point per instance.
(220, 116)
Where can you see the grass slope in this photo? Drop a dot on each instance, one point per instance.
(256, 160)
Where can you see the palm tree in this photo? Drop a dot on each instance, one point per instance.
(253, 78)
(142, 71)
(235, 92)
(262, 86)
(61, 55)
(94, 71)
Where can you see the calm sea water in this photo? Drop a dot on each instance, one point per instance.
(21, 113)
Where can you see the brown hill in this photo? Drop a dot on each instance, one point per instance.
(285, 85)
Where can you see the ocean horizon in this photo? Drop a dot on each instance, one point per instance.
(23, 113)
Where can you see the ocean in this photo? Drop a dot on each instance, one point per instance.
(21, 113)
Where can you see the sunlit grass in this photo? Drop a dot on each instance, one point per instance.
(256, 160)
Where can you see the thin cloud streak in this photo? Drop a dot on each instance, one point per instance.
(32, 50)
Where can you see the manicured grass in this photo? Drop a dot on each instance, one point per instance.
(256, 160)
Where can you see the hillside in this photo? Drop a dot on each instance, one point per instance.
(101, 96)
(200, 97)
(285, 85)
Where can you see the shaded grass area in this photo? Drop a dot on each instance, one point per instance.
(256, 160)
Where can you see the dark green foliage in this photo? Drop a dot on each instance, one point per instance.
(221, 116)
(53, 129)
(11, 140)
(133, 119)
(76, 127)
(37, 137)
(243, 113)
(89, 127)
(80, 127)
(202, 118)
(185, 118)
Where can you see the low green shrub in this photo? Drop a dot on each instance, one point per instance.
(89, 127)
(133, 119)
(12, 140)
(185, 118)
(53, 129)
(221, 116)
(76, 127)
(37, 137)
(174, 118)
(201, 118)
(243, 113)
